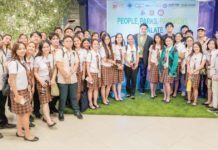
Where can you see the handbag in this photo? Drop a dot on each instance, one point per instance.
(55, 90)
(5, 87)
(84, 102)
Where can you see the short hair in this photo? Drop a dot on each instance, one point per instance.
(57, 28)
(36, 32)
(189, 31)
(67, 36)
(68, 28)
(143, 24)
(77, 27)
(184, 26)
(169, 24)
(52, 35)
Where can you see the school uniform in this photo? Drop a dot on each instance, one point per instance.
(214, 72)
(184, 73)
(94, 59)
(131, 75)
(208, 65)
(118, 54)
(69, 59)
(194, 62)
(82, 53)
(107, 69)
(29, 65)
(154, 61)
(5, 56)
(168, 64)
(18, 68)
(44, 66)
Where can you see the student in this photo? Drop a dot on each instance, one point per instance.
(43, 65)
(67, 63)
(23, 38)
(44, 36)
(107, 69)
(59, 31)
(86, 44)
(153, 62)
(196, 62)
(179, 45)
(94, 74)
(20, 93)
(211, 46)
(69, 32)
(183, 30)
(87, 34)
(77, 29)
(131, 66)
(55, 47)
(169, 26)
(189, 33)
(203, 39)
(36, 37)
(5, 57)
(119, 51)
(95, 35)
(143, 41)
(168, 66)
(29, 58)
(81, 71)
(214, 76)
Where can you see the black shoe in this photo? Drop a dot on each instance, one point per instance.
(31, 118)
(8, 126)
(61, 116)
(132, 97)
(38, 115)
(78, 115)
(51, 125)
(17, 135)
(212, 109)
(31, 140)
(32, 125)
(1, 136)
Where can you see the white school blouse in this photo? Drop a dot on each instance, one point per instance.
(103, 55)
(42, 64)
(14, 67)
(196, 60)
(92, 57)
(154, 53)
(118, 51)
(131, 54)
(82, 53)
(180, 48)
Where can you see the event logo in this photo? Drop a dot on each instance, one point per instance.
(151, 13)
(160, 12)
(129, 5)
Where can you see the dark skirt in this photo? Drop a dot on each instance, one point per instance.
(107, 75)
(44, 94)
(178, 72)
(18, 108)
(118, 76)
(153, 73)
(165, 77)
(96, 81)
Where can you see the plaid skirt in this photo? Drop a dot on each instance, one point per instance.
(178, 72)
(165, 78)
(80, 82)
(107, 75)
(118, 76)
(153, 73)
(18, 108)
(195, 80)
(96, 81)
(44, 94)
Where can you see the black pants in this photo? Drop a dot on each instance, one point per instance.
(52, 104)
(202, 90)
(143, 75)
(36, 102)
(3, 118)
(131, 77)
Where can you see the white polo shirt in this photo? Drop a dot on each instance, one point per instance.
(92, 57)
(103, 55)
(131, 54)
(14, 67)
(118, 51)
(180, 48)
(69, 59)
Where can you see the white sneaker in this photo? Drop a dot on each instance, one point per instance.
(183, 94)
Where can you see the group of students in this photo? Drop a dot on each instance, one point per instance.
(77, 61)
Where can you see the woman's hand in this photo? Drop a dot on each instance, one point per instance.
(43, 83)
(17, 98)
(52, 82)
